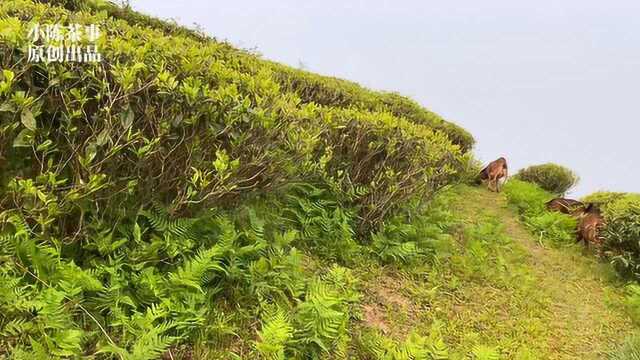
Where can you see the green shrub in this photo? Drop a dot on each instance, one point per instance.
(622, 233)
(553, 178)
(313, 88)
(529, 199)
(602, 198)
(309, 87)
(526, 197)
(382, 162)
(191, 133)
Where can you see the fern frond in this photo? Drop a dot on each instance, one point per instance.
(7, 244)
(161, 221)
(629, 350)
(322, 316)
(276, 332)
(192, 272)
(20, 226)
(483, 352)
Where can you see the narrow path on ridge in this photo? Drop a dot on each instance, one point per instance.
(582, 320)
(498, 287)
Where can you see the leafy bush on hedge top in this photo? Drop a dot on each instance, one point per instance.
(310, 87)
(337, 92)
(529, 199)
(550, 177)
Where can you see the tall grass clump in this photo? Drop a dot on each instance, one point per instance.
(553, 178)
(530, 199)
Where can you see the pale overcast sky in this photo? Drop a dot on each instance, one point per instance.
(535, 81)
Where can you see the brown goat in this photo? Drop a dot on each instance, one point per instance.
(589, 228)
(493, 172)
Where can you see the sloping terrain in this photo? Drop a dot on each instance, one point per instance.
(501, 290)
(183, 199)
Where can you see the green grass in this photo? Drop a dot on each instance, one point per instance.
(498, 288)
(530, 200)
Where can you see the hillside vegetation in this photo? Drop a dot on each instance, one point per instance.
(184, 199)
(180, 197)
(532, 187)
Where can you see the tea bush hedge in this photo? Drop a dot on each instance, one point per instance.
(157, 203)
(621, 212)
(191, 123)
(603, 198)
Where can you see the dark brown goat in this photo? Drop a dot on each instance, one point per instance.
(566, 206)
(493, 172)
(590, 226)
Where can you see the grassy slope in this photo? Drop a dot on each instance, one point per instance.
(526, 301)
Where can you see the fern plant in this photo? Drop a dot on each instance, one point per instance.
(321, 319)
(414, 347)
(322, 223)
(483, 352)
(275, 335)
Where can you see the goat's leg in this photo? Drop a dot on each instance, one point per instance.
(505, 175)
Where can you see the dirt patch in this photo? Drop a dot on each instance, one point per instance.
(388, 291)
(374, 317)
(386, 308)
